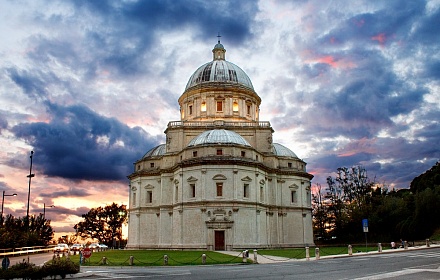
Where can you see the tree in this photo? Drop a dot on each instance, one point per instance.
(349, 196)
(103, 223)
(320, 212)
(68, 239)
(40, 231)
(15, 233)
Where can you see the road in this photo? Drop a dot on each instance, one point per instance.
(402, 265)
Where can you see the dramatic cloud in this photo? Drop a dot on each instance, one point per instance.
(90, 86)
(79, 144)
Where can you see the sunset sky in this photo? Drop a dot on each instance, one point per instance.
(90, 87)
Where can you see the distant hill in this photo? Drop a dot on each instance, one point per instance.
(429, 179)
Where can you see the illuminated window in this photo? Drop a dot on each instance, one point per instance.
(235, 106)
(219, 106)
(219, 152)
(203, 107)
(219, 189)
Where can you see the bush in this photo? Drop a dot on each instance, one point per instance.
(22, 270)
(52, 268)
(60, 267)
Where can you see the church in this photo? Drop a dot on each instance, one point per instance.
(219, 182)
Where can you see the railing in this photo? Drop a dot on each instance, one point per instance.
(11, 252)
(217, 123)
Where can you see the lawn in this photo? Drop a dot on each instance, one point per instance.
(156, 258)
(178, 258)
(300, 253)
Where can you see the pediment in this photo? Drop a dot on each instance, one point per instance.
(149, 186)
(191, 179)
(294, 187)
(219, 177)
(246, 179)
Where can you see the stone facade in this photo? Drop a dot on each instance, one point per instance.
(219, 182)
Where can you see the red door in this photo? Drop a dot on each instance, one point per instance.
(219, 240)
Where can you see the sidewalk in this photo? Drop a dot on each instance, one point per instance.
(265, 259)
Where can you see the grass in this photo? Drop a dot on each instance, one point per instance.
(179, 258)
(156, 258)
(435, 236)
(300, 253)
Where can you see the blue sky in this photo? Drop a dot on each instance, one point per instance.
(90, 86)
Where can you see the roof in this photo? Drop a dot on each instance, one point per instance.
(219, 71)
(218, 136)
(156, 151)
(282, 151)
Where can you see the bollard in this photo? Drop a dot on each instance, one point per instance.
(255, 256)
(244, 256)
(104, 260)
(379, 247)
(203, 258)
(405, 246)
(307, 253)
(317, 253)
(165, 259)
(130, 262)
(350, 250)
(427, 243)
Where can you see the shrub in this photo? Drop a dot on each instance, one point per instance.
(52, 268)
(60, 267)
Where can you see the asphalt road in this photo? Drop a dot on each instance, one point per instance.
(403, 265)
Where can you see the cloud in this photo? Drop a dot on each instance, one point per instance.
(79, 144)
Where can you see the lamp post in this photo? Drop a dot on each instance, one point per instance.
(3, 199)
(29, 193)
(44, 209)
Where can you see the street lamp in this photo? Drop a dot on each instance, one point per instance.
(3, 199)
(44, 209)
(29, 193)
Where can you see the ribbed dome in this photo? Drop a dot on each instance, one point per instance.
(218, 136)
(219, 71)
(282, 151)
(156, 151)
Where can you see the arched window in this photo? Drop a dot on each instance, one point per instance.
(235, 106)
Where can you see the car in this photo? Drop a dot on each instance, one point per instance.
(61, 248)
(76, 247)
(94, 246)
(103, 246)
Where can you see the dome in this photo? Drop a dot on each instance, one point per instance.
(156, 151)
(218, 136)
(219, 71)
(282, 151)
